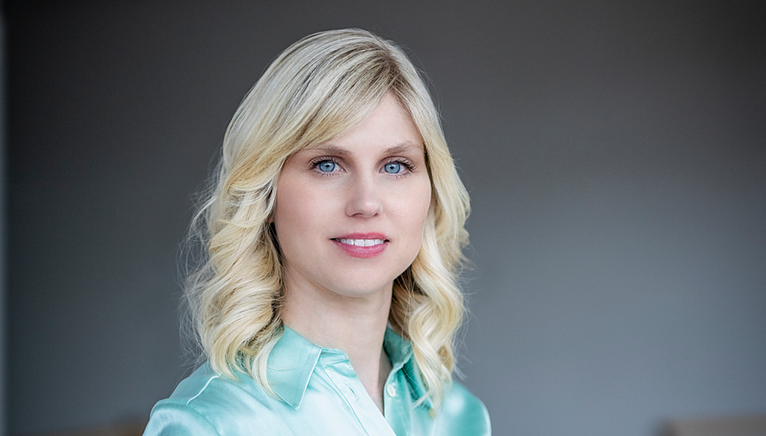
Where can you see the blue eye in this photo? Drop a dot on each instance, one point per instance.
(393, 168)
(326, 166)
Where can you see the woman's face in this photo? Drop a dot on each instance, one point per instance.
(350, 212)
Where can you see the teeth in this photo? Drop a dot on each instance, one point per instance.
(362, 242)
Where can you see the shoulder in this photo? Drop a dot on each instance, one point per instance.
(170, 418)
(462, 413)
(207, 404)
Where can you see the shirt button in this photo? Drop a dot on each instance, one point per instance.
(391, 390)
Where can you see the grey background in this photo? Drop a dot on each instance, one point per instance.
(614, 151)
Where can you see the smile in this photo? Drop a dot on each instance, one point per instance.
(362, 245)
(361, 242)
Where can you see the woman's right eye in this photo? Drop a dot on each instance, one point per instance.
(326, 166)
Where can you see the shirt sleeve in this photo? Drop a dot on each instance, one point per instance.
(173, 419)
(462, 414)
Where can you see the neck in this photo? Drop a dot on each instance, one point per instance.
(355, 325)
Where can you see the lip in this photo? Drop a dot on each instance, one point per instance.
(363, 252)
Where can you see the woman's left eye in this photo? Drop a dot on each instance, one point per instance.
(393, 168)
(326, 166)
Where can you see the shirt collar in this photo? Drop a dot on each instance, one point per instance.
(290, 364)
(293, 359)
(400, 353)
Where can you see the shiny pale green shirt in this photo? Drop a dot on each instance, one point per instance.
(318, 394)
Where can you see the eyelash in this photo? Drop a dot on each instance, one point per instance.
(406, 163)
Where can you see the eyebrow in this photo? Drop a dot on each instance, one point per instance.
(399, 148)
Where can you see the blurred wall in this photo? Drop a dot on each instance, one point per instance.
(3, 259)
(614, 152)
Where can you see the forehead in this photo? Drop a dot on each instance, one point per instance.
(388, 126)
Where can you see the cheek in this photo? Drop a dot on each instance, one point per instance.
(424, 201)
(415, 210)
(292, 208)
(303, 214)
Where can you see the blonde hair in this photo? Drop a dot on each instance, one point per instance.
(317, 89)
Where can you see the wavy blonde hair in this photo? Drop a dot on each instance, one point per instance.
(317, 89)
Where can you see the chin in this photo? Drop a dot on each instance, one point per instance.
(362, 287)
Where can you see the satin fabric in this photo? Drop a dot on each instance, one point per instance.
(317, 393)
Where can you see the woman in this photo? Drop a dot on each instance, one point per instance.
(328, 303)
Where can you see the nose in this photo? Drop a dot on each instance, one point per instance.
(364, 198)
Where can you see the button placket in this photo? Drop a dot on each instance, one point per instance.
(352, 393)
